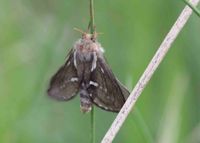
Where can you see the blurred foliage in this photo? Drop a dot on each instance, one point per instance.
(35, 37)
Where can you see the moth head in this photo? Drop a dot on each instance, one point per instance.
(88, 36)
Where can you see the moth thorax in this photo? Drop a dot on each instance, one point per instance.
(84, 56)
(86, 49)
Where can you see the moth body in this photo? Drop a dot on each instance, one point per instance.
(85, 55)
(87, 72)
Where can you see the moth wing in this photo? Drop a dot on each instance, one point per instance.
(64, 85)
(124, 90)
(108, 94)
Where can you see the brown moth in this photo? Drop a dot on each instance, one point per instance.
(87, 73)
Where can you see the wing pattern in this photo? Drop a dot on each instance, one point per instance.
(108, 94)
(64, 85)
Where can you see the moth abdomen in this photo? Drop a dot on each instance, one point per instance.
(86, 104)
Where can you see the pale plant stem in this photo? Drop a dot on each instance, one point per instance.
(156, 60)
(196, 10)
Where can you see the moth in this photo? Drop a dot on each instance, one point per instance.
(86, 72)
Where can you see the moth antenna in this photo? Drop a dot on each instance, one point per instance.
(100, 33)
(96, 34)
(79, 30)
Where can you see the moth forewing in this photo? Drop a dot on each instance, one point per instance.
(65, 83)
(108, 95)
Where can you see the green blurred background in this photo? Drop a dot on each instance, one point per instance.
(35, 37)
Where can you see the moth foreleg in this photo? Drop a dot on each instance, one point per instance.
(94, 61)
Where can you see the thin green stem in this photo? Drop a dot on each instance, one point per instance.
(143, 126)
(92, 31)
(92, 27)
(92, 126)
(196, 10)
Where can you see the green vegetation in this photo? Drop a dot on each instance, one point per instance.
(35, 37)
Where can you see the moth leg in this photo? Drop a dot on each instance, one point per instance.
(94, 61)
(75, 62)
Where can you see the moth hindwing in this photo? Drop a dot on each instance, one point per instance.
(87, 72)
